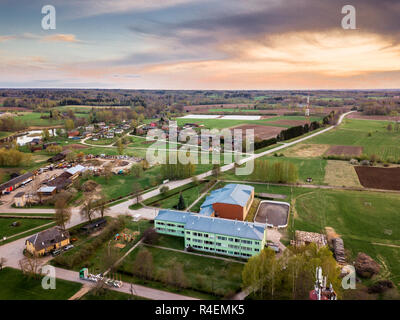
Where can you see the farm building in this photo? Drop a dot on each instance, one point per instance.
(20, 199)
(94, 226)
(230, 202)
(46, 241)
(47, 191)
(59, 156)
(61, 182)
(16, 182)
(209, 234)
(75, 171)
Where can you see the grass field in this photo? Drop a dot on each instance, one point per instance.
(369, 134)
(170, 199)
(221, 123)
(14, 286)
(7, 230)
(314, 168)
(341, 173)
(202, 273)
(363, 219)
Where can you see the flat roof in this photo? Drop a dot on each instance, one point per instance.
(46, 189)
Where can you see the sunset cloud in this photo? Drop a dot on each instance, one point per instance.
(208, 44)
(61, 38)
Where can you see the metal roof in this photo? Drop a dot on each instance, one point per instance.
(237, 194)
(207, 211)
(233, 228)
(77, 168)
(16, 180)
(46, 189)
(201, 223)
(173, 216)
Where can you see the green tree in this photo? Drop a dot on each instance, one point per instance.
(69, 124)
(45, 135)
(120, 146)
(181, 203)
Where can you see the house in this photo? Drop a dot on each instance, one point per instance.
(73, 134)
(230, 202)
(46, 241)
(222, 236)
(47, 191)
(20, 199)
(89, 128)
(16, 182)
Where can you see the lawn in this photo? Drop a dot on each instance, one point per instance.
(171, 198)
(121, 185)
(224, 123)
(204, 275)
(314, 168)
(7, 230)
(369, 134)
(33, 119)
(15, 286)
(363, 219)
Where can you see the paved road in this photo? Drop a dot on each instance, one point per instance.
(138, 290)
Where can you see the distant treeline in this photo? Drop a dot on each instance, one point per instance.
(297, 131)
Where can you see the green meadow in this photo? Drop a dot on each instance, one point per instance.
(15, 286)
(372, 135)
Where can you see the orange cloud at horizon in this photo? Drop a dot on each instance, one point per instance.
(297, 60)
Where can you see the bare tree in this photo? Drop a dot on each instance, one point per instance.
(30, 267)
(107, 171)
(88, 207)
(63, 212)
(3, 261)
(101, 206)
(110, 259)
(136, 190)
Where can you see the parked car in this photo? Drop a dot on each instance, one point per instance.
(55, 252)
(68, 247)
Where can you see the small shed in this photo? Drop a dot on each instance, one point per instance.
(95, 225)
(20, 199)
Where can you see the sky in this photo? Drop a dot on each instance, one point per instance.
(200, 44)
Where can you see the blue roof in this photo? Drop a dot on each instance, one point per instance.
(207, 211)
(238, 194)
(226, 227)
(201, 223)
(173, 216)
